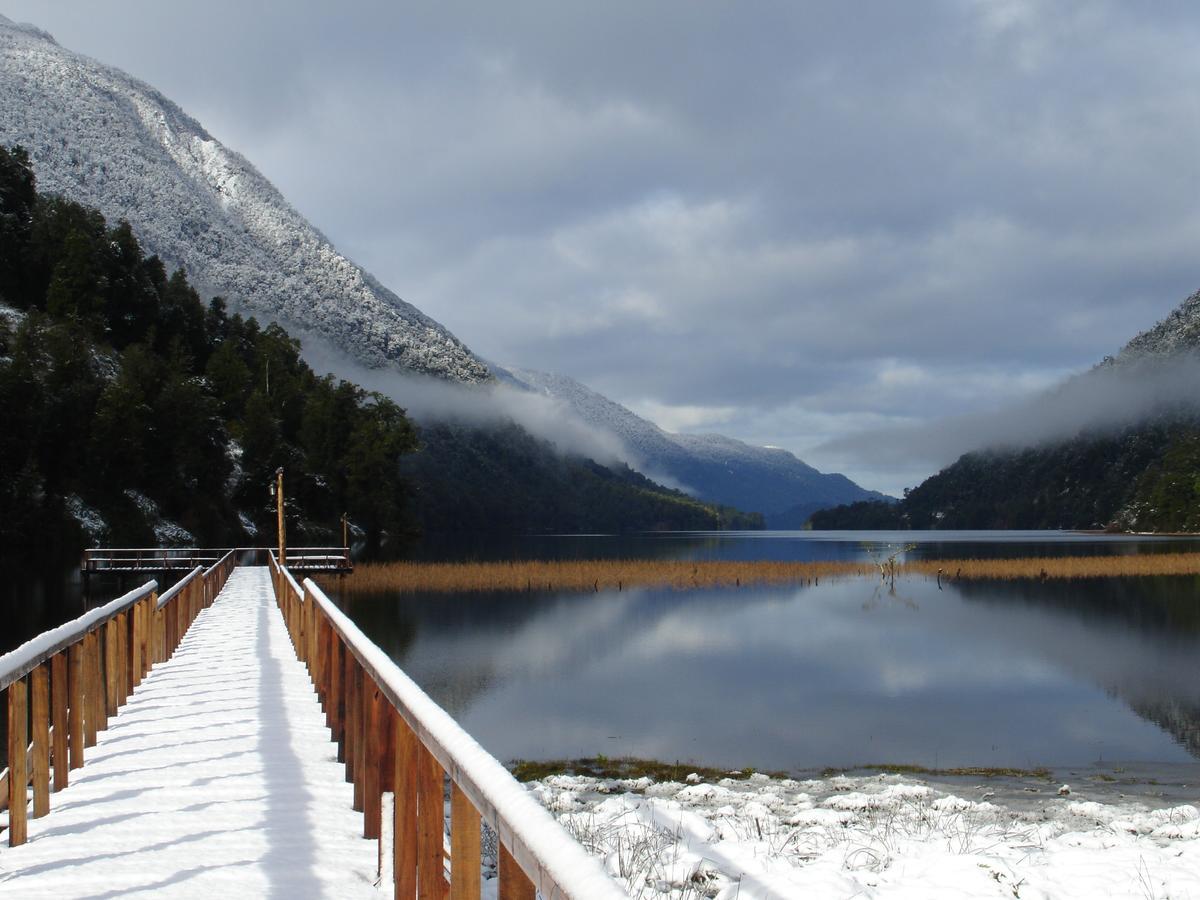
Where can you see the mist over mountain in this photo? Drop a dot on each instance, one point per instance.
(104, 139)
(711, 467)
(1115, 447)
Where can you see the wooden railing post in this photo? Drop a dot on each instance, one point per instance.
(514, 883)
(18, 773)
(464, 847)
(372, 750)
(359, 745)
(112, 667)
(404, 828)
(40, 718)
(334, 710)
(75, 704)
(431, 824)
(91, 690)
(58, 712)
(135, 649)
(150, 655)
(125, 648)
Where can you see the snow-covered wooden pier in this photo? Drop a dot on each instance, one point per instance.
(212, 727)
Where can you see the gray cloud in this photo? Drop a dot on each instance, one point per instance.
(776, 213)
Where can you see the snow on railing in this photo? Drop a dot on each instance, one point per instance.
(78, 675)
(394, 739)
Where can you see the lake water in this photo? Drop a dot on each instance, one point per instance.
(845, 673)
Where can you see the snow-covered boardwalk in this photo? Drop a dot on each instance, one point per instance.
(217, 779)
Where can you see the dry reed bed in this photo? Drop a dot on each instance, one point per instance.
(618, 574)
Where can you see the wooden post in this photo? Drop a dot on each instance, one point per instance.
(75, 704)
(324, 630)
(431, 816)
(347, 747)
(91, 690)
(125, 681)
(404, 829)
(464, 847)
(335, 690)
(360, 739)
(18, 773)
(150, 652)
(112, 667)
(372, 751)
(135, 647)
(58, 713)
(514, 883)
(279, 515)
(353, 697)
(41, 740)
(96, 682)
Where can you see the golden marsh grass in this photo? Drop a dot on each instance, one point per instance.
(618, 574)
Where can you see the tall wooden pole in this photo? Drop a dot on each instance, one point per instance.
(279, 510)
(345, 532)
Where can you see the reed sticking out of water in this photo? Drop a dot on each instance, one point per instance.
(619, 574)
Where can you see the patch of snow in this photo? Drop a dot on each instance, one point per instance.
(247, 524)
(88, 517)
(876, 836)
(167, 532)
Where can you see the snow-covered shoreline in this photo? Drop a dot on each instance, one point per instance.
(879, 836)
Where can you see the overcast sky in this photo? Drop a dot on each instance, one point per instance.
(784, 222)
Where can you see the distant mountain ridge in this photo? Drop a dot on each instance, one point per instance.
(104, 139)
(715, 468)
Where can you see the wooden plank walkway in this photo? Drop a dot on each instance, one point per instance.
(217, 779)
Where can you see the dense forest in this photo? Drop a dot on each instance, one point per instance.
(504, 479)
(1143, 477)
(136, 414)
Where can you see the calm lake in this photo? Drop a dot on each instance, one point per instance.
(1025, 674)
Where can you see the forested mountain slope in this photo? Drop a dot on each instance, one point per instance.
(1139, 471)
(134, 414)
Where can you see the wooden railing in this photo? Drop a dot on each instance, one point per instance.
(158, 559)
(63, 685)
(394, 739)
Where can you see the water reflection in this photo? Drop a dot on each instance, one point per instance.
(790, 545)
(990, 674)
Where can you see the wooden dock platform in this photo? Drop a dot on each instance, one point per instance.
(243, 738)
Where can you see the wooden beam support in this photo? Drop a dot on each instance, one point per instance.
(464, 847)
(40, 719)
(58, 716)
(18, 772)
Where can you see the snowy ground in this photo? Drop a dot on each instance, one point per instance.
(875, 836)
(217, 779)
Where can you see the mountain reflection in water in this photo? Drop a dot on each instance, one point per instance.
(979, 673)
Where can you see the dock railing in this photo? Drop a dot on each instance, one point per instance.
(62, 686)
(394, 739)
(117, 560)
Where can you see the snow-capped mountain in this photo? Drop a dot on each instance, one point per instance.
(716, 469)
(104, 139)
(1179, 332)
